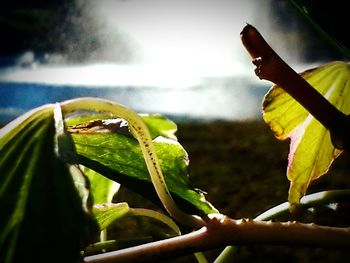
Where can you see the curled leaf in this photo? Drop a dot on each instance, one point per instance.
(311, 150)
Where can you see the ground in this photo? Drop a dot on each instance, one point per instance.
(242, 167)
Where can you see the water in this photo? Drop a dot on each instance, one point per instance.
(216, 97)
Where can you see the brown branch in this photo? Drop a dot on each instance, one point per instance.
(226, 231)
(270, 66)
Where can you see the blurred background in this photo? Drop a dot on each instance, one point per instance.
(180, 58)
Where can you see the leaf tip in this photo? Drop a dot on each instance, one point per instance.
(296, 192)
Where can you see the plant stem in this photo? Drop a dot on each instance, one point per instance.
(312, 200)
(140, 131)
(200, 257)
(316, 199)
(339, 46)
(270, 66)
(229, 231)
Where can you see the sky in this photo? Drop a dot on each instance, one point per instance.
(162, 42)
(177, 42)
(199, 35)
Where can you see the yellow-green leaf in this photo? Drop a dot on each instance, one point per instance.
(311, 150)
(102, 188)
(107, 213)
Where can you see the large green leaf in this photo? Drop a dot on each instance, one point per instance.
(118, 156)
(43, 218)
(311, 150)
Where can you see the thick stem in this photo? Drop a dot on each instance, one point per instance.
(228, 231)
(271, 67)
(316, 199)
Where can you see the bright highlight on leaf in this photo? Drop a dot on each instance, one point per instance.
(107, 213)
(311, 150)
(102, 189)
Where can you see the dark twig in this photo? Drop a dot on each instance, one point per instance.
(270, 66)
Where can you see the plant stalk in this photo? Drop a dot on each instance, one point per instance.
(140, 131)
(316, 199)
(229, 231)
(335, 43)
(270, 66)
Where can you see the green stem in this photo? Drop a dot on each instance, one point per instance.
(227, 255)
(316, 199)
(155, 215)
(200, 257)
(340, 47)
(103, 235)
(140, 131)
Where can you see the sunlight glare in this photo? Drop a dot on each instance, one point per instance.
(197, 37)
(107, 75)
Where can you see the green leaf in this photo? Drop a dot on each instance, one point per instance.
(126, 227)
(43, 218)
(107, 213)
(101, 188)
(311, 150)
(118, 156)
(158, 125)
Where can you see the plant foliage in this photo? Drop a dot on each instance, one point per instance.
(45, 200)
(311, 149)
